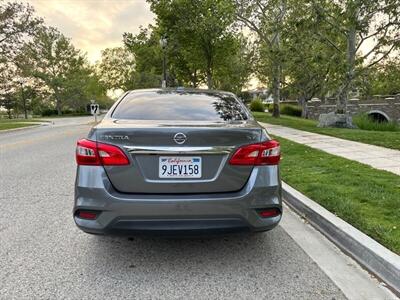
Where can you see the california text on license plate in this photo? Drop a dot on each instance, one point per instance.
(179, 167)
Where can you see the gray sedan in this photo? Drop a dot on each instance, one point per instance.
(177, 161)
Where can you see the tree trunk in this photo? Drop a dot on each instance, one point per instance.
(58, 101)
(303, 103)
(276, 91)
(209, 79)
(350, 66)
(194, 79)
(58, 106)
(276, 80)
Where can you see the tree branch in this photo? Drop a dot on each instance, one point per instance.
(329, 42)
(385, 27)
(326, 14)
(382, 57)
(254, 27)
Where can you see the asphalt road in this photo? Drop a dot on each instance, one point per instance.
(43, 254)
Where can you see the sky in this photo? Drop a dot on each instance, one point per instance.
(94, 25)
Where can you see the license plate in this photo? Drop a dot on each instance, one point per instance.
(179, 167)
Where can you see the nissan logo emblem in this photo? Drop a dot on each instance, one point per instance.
(180, 138)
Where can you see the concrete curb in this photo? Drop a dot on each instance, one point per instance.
(370, 254)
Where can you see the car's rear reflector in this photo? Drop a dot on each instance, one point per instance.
(269, 212)
(94, 153)
(265, 153)
(88, 215)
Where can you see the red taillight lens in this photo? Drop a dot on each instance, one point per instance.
(269, 212)
(86, 153)
(92, 153)
(265, 153)
(111, 155)
(88, 215)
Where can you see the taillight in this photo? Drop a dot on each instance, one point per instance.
(88, 215)
(86, 153)
(269, 212)
(92, 153)
(111, 155)
(265, 153)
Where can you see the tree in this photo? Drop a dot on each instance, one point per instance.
(17, 24)
(17, 20)
(383, 78)
(234, 76)
(51, 58)
(96, 90)
(8, 102)
(116, 68)
(359, 22)
(265, 18)
(310, 66)
(200, 31)
(147, 55)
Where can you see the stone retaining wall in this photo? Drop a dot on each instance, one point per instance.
(387, 106)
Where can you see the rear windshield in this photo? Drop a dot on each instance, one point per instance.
(168, 105)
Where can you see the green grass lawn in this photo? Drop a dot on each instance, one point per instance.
(367, 198)
(388, 139)
(17, 123)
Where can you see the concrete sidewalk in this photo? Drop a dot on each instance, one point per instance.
(375, 156)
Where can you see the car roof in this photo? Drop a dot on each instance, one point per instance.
(181, 90)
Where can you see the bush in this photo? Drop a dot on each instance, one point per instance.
(291, 110)
(366, 122)
(68, 112)
(257, 105)
(48, 112)
(245, 96)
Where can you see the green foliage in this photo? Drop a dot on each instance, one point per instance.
(257, 105)
(48, 112)
(17, 22)
(266, 19)
(245, 96)
(366, 122)
(17, 25)
(291, 110)
(147, 52)
(234, 74)
(53, 63)
(315, 48)
(201, 43)
(300, 49)
(384, 79)
(310, 65)
(116, 69)
(375, 24)
(53, 60)
(269, 106)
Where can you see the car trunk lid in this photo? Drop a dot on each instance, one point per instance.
(146, 143)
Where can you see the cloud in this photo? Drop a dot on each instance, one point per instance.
(94, 25)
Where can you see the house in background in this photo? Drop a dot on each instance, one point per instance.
(264, 94)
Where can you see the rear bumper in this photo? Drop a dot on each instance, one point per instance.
(166, 214)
